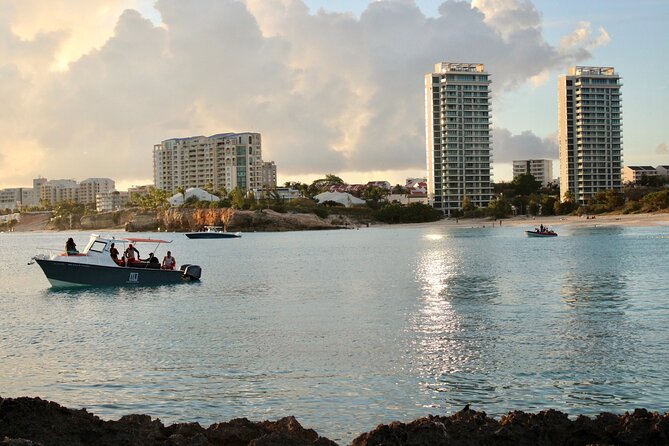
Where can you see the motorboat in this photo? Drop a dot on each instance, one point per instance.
(541, 232)
(94, 266)
(213, 232)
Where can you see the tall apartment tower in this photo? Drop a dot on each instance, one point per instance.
(457, 126)
(224, 160)
(590, 132)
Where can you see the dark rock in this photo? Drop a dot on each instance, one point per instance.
(35, 422)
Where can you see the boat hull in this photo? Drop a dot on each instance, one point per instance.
(68, 274)
(201, 235)
(540, 234)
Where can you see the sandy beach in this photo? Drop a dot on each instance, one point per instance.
(566, 221)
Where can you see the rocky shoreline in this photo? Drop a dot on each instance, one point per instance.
(185, 220)
(33, 422)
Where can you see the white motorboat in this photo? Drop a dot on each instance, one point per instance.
(94, 266)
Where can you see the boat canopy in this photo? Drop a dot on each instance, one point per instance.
(145, 240)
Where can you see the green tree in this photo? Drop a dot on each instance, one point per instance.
(525, 184)
(467, 205)
(499, 207)
(237, 198)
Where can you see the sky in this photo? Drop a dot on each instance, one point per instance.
(88, 87)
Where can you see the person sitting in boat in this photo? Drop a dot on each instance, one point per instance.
(71, 247)
(130, 254)
(169, 262)
(113, 252)
(153, 260)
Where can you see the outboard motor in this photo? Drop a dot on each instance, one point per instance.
(192, 272)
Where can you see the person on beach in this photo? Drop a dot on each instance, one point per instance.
(168, 261)
(71, 247)
(130, 254)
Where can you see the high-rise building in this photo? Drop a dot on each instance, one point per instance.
(457, 124)
(541, 170)
(269, 174)
(224, 160)
(590, 132)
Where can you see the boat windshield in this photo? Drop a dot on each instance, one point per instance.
(97, 246)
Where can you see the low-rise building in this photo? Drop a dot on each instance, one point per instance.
(284, 193)
(662, 171)
(633, 174)
(111, 201)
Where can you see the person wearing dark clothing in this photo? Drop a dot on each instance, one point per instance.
(71, 247)
(113, 252)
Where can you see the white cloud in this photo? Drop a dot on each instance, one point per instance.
(329, 92)
(526, 145)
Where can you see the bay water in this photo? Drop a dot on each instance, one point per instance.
(348, 329)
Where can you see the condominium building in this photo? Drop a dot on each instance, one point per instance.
(54, 191)
(457, 124)
(541, 170)
(633, 174)
(224, 160)
(269, 174)
(590, 132)
(111, 201)
(90, 187)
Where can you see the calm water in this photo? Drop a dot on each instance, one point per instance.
(348, 329)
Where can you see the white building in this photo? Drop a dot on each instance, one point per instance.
(633, 174)
(55, 191)
(457, 111)
(541, 170)
(195, 192)
(111, 201)
(90, 187)
(224, 160)
(284, 193)
(590, 132)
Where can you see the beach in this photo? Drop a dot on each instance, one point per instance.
(565, 221)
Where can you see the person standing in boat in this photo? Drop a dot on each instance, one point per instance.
(169, 262)
(71, 247)
(130, 254)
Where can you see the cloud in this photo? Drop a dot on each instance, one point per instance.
(330, 92)
(526, 145)
(662, 149)
(582, 37)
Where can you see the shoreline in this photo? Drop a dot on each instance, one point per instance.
(553, 221)
(31, 421)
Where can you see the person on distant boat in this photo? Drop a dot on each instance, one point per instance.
(113, 252)
(130, 254)
(71, 247)
(169, 262)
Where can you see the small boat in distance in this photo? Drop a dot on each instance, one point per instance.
(213, 232)
(94, 266)
(541, 231)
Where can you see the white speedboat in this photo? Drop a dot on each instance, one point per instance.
(213, 232)
(94, 266)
